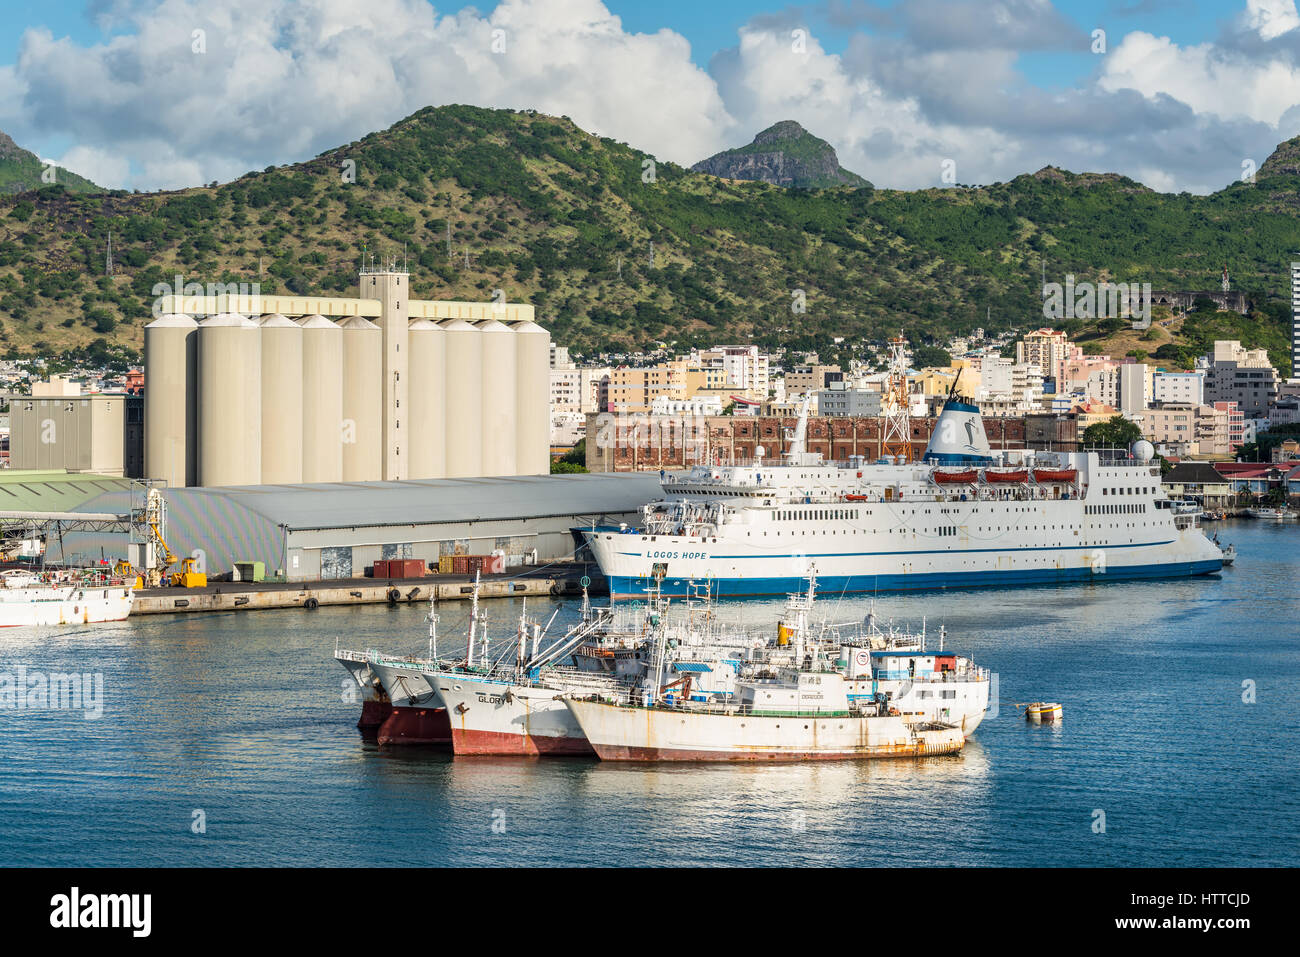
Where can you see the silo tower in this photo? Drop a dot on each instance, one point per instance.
(230, 401)
(171, 446)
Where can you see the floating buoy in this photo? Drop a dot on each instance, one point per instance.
(1043, 712)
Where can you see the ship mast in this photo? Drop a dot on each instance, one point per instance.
(897, 440)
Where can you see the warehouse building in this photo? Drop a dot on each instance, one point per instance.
(99, 432)
(337, 530)
(268, 390)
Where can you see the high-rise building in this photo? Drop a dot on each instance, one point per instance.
(1295, 319)
(1045, 348)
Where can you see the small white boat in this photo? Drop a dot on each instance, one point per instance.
(1268, 514)
(1043, 712)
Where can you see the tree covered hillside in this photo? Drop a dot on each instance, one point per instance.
(618, 250)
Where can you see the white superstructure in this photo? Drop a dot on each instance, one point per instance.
(30, 598)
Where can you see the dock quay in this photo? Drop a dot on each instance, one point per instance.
(252, 596)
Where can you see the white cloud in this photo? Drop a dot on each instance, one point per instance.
(1271, 18)
(278, 80)
(1208, 79)
(282, 80)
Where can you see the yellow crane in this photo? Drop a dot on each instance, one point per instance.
(188, 576)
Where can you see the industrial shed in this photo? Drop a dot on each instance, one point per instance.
(335, 530)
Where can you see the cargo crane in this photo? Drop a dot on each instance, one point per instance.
(152, 518)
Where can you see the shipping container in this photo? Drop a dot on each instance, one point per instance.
(379, 569)
(445, 565)
(410, 567)
(460, 565)
(494, 564)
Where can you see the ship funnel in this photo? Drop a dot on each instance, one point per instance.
(959, 437)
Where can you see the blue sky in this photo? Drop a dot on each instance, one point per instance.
(1186, 95)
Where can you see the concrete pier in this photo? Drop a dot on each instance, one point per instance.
(251, 596)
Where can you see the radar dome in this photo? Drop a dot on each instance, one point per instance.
(1143, 451)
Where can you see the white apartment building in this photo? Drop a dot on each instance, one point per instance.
(1127, 387)
(1181, 387)
(697, 405)
(1244, 376)
(578, 390)
(746, 367)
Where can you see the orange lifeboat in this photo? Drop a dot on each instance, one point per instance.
(850, 497)
(1006, 475)
(955, 476)
(1055, 475)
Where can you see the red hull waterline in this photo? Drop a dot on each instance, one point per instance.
(374, 714)
(497, 742)
(416, 726)
(619, 753)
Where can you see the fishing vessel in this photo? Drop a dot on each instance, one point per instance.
(64, 597)
(962, 516)
(375, 704)
(515, 704)
(516, 707)
(812, 709)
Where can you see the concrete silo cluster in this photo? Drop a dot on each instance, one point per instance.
(279, 394)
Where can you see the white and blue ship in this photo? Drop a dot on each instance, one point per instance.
(960, 517)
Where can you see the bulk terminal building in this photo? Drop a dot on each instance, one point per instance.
(289, 390)
(317, 435)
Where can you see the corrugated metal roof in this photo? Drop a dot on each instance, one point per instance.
(418, 502)
(23, 490)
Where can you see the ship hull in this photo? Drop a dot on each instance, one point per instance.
(415, 726)
(761, 581)
(492, 718)
(620, 733)
(77, 606)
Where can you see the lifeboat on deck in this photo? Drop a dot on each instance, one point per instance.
(849, 497)
(955, 476)
(1055, 475)
(1006, 475)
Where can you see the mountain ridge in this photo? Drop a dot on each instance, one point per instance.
(531, 204)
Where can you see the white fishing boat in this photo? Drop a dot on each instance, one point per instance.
(794, 715)
(65, 597)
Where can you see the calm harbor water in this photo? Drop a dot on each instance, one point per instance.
(240, 721)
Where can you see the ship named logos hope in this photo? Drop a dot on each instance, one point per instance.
(959, 517)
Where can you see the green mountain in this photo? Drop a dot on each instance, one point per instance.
(21, 170)
(480, 200)
(784, 154)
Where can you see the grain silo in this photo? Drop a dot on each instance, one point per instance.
(363, 420)
(281, 401)
(322, 400)
(230, 401)
(171, 446)
(499, 390)
(464, 399)
(427, 372)
(533, 399)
